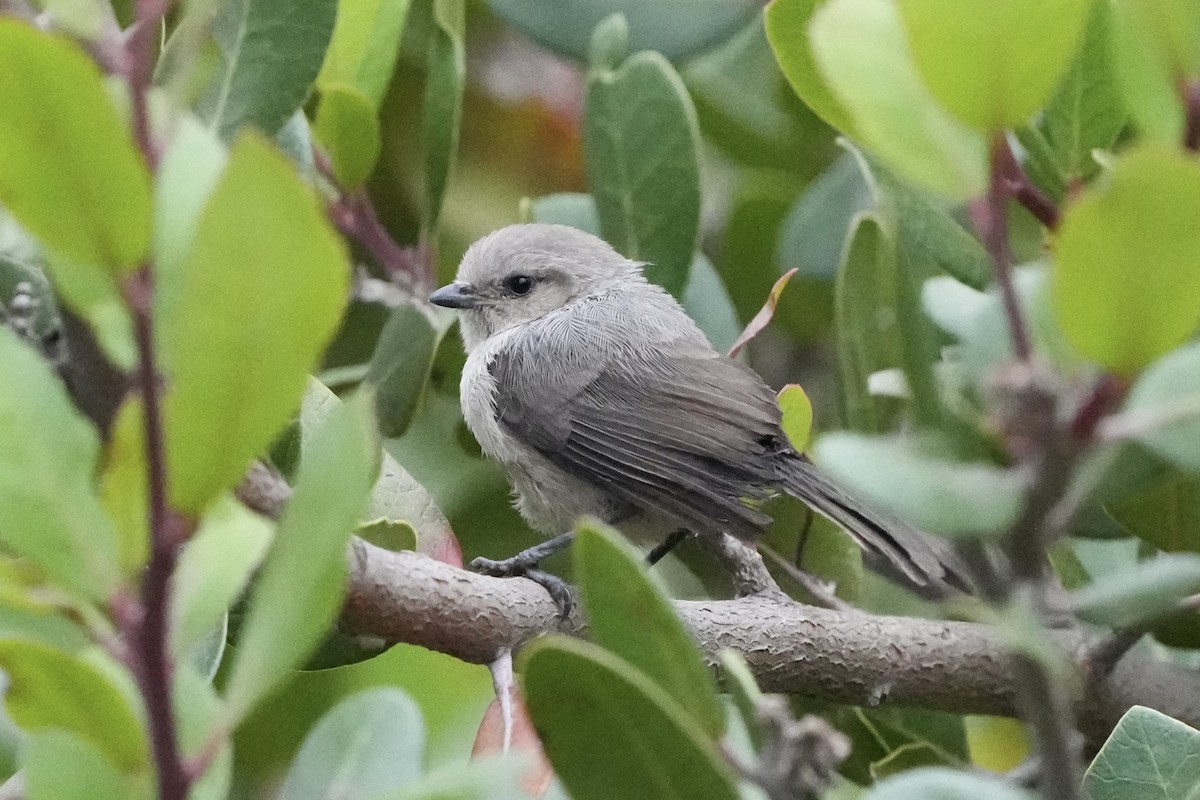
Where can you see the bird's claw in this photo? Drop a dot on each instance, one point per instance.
(517, 567)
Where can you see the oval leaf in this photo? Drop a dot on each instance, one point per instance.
(993, 64)
(1125, 281)
(797, 415)
(68, 170)
(861, 50)
(244, 319)
(676, 30)
(629, 613)
(610, 732)
(367, 745)
(1148, 754)
(446, 75)
(362, 52)
(52, 689)
(787, 31)
(349, 130)
(641, 143)
(271, 51)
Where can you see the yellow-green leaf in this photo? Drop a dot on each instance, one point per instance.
(69, 172)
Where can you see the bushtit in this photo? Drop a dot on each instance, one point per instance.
(599, 396)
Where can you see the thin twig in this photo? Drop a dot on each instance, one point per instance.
(139, 72)
(819, 592)
(990, 215)
(148, 633)
(354, 215)
(147, 629)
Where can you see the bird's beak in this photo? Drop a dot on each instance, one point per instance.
(455, 295)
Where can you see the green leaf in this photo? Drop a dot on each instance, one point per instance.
(397, 496)
(1125, 277)
(299, 590)
(940, 783)
(1166, 514)
(487, 778)
(49, 509)
(677, 30)
(993, 65)
(707, 301)
(813, 236)
(198, 715)
(1148, 755)
(926, 233)
(83, 19)
(242, 321)
(797, 415)
(214, 567)
(1145, 76)
(641, 143)
(860, 48)
(362, 52)
(1163, 408)
(630, 615)
(400, 366)
(271, 51)
(58, 765)
(77, 693)
(349, 130)
(739, 682)
(576, 209)
(581, 697)
(367, 745)
(188, 174)
(787, 24)
(866, 324)
(124, 486)
(68, 170)
(1086, 112)
(446, 75)
(1147, 590)
(945, 497)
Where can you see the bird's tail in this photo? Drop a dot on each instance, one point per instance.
(920, 561)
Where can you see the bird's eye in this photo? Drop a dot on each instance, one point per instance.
(519, 284)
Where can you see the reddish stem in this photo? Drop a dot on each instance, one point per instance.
(147, 630)
(990, 215)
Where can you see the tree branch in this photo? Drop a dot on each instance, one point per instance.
(842, 657)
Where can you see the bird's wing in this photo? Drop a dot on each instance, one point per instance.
(665, 425)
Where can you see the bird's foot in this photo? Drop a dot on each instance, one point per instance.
(522, 565)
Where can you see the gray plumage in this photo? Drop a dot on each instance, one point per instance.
(599, 395)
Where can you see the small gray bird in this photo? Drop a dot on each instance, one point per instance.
(599, 396)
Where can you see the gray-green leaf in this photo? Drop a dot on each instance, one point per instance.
(641, 143)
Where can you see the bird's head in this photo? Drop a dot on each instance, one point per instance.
(521, 273)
